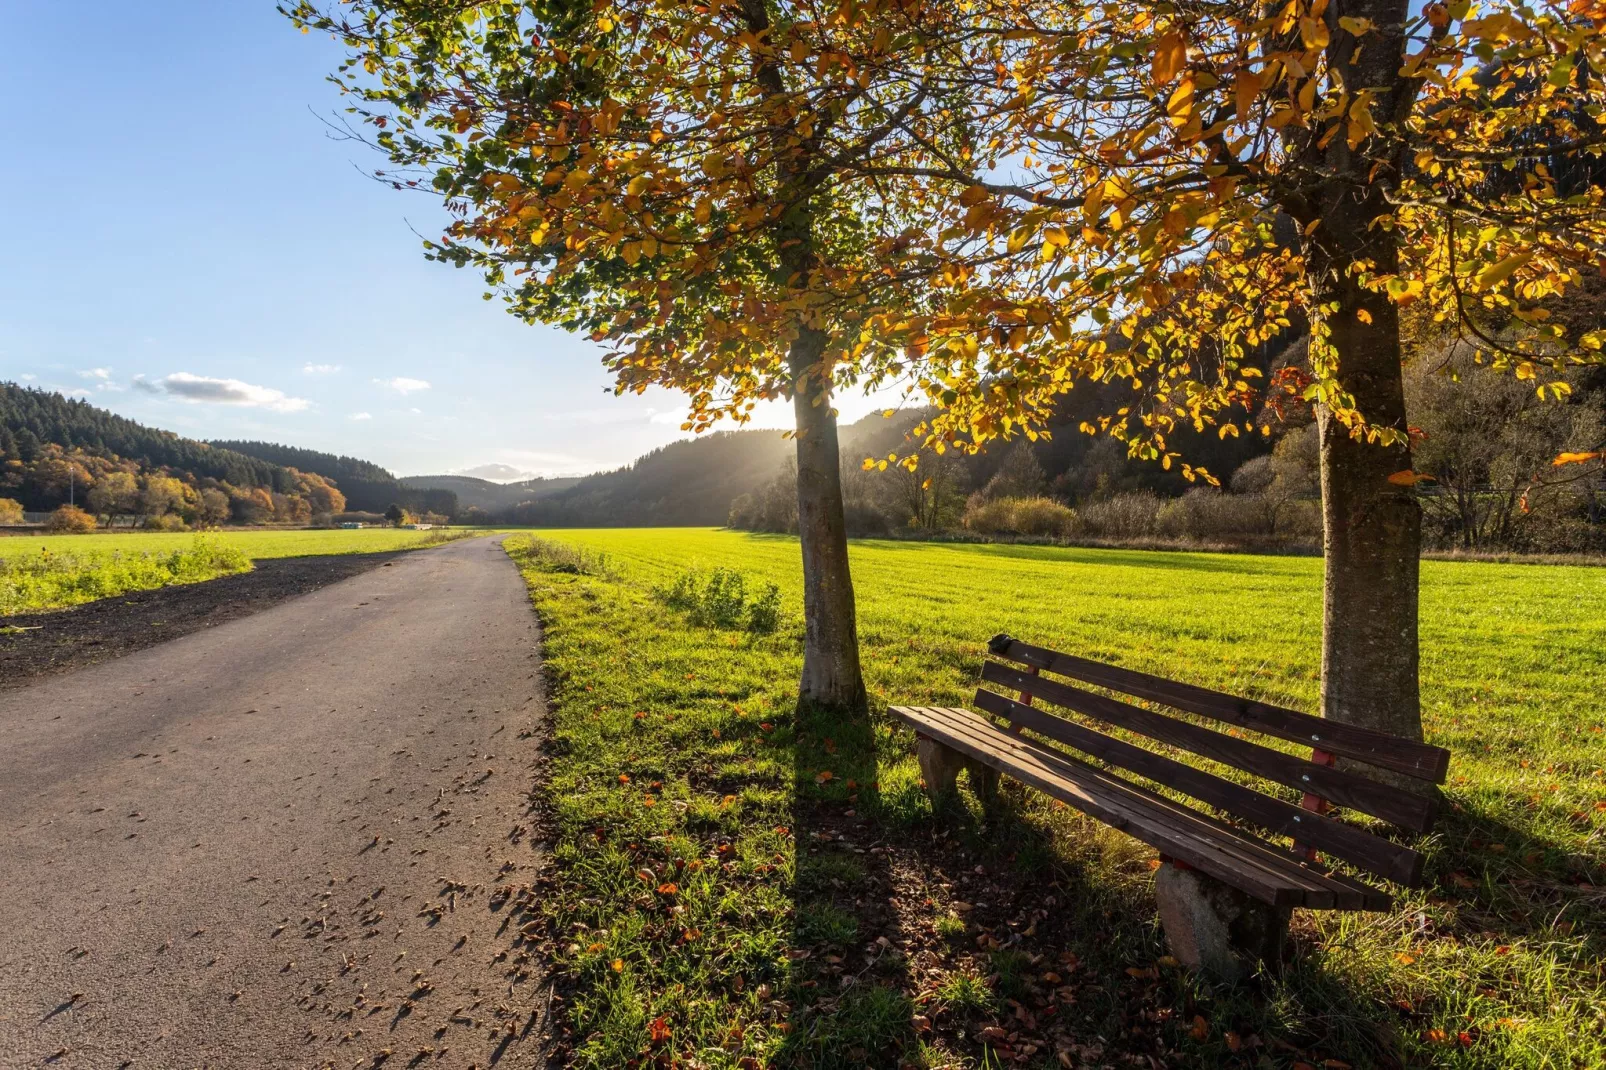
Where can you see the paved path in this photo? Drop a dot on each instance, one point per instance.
(288, 841)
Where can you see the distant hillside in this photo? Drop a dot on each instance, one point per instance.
(492, 497)
(691, 482)
(31, 419)
(367, 487)
(56, 451)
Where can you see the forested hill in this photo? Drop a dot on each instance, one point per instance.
(32, 419)
(475, 493)
(684, 483)
(367, 487)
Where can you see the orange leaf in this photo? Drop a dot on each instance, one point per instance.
(1409, 478)
(1170, 56)
(1201, 1028)
(658, 1032)
(1573, 458)
(668, 889)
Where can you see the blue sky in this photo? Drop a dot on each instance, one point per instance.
(188, 247)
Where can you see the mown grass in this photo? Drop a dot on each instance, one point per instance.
(55, 571)
(694, 871)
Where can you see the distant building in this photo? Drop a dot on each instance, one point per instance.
(350, 524)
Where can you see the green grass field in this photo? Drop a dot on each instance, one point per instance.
(51, 571)
(705, 907)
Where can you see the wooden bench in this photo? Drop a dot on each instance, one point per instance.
(1224, 893)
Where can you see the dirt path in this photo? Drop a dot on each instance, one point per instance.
(295, 839)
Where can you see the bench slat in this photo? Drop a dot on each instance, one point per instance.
(1322, 891)
(1212, 847)
(1355, 845)
(1100, 797)
(1401, 807)
(1375, 748)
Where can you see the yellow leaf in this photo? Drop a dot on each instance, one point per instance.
(1573, 458)
(1363, 315)
(1170, 56)
(1356, 26)
(1313, 32)
(1496, 273)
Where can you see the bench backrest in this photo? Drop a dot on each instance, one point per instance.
(1021, 670)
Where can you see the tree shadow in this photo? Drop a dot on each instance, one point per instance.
(848, 986)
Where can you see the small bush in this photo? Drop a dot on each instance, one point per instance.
(70, 520)
(560, 557)
(165, 522)
(1021, 516)
(10, 512)
(764, 615)
(1123, 516)
(720, 600)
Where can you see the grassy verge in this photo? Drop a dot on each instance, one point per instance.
(49, 579)
(739, 884)
(55, 571)
(258, 544)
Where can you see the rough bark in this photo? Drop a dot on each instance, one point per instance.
(1372, 527)
(831, 675)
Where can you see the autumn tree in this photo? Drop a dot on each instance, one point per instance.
(709, 190)
(1170, 186)
(115, 492)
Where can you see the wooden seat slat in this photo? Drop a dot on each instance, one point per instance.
(1322, 890)
(1099, 797)
(1357, 792)
(1214, 848)
(1354, 845)
(1375, 748)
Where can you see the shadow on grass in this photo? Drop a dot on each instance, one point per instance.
(848, 989)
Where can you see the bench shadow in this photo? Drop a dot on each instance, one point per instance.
(1040, 945)
(1509, 882)
(848, 992)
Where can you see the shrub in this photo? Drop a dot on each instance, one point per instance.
(1020, 516)
(165, 522)
(1044, 516)
(720, 601)
(10, 511)
(764, 615)
(70, 520)
(1124, 516)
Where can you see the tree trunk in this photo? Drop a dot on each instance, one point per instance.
(831, 676)
(1372, 528)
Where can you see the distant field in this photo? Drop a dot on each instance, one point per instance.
(52, 571)
(1498, 962)
(258, 545)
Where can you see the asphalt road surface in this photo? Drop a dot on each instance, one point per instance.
(299, 839)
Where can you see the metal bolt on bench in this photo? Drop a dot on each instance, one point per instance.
(1224, 894)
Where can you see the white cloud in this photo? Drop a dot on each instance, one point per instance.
(403, 385)
(361, 416)
(95, 373)
(319, 369)
(416, 412)
(668, 417)
(27, 377)
(204, 389)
